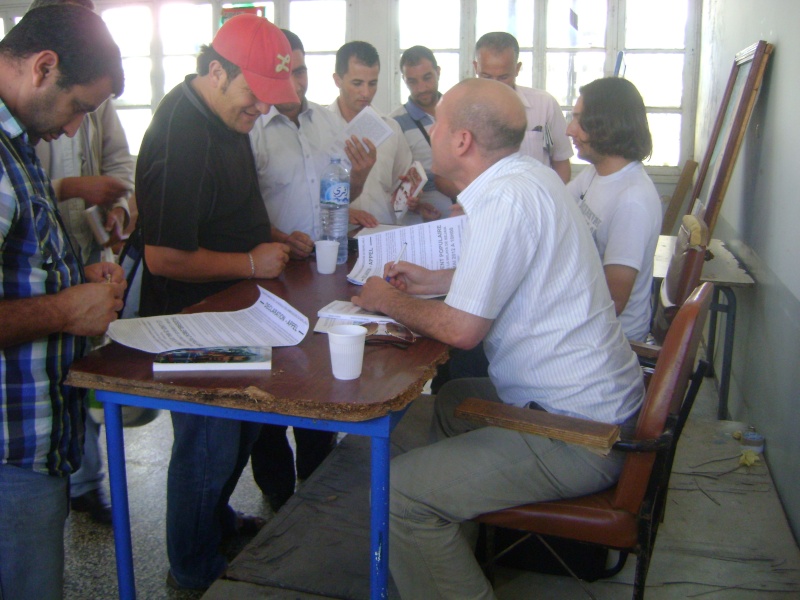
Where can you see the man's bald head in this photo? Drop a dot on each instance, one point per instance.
(491, 111)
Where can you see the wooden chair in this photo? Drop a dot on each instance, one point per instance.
(675, 202)
(683, 273)
(626, 516)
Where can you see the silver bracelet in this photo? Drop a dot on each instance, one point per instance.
(252, 266)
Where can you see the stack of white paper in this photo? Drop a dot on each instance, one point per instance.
(434, 245)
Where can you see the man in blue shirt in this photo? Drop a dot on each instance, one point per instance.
(416, 117)
(56, 65)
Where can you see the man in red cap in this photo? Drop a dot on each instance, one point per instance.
(205, 227)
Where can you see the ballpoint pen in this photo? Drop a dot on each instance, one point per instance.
(399, 257)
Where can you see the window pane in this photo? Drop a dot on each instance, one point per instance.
(321, 24)
(185, 27)
(132, 29)
(525, 76)
(658, 77)
(176, 68)
(321, 88)
(655, 24)
(448, 62)
(513, 16)
(591, 21)
(568, 71)
(137, 82)
(135, 122)
(666, 132)
(419, 26)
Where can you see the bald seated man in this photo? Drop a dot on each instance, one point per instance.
(529, 284)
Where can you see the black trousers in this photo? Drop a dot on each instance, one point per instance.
(274, 463)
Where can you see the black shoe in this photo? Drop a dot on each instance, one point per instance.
(94, 503)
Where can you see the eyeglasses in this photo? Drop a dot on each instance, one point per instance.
(389, 333)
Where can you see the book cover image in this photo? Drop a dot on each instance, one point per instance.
(220, 358)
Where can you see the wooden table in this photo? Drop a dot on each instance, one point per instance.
(725, 271)
(299, 391)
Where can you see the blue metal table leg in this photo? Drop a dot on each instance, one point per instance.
(119, 501)
(379, 518)
(727, 349)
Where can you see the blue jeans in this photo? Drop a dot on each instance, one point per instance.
(208, 456)
(90, 475)
(33, 509)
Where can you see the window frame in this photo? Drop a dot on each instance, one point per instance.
(615, 42)
(361, 24)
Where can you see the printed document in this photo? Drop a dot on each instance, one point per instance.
(366, 124)
(434, 245)
(271, 321)
(344, 312)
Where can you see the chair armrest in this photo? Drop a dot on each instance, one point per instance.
(558, 427)
(648, 352)
(662, 442)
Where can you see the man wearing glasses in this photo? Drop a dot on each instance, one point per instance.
(529, 284)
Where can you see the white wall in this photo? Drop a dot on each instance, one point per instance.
(759, 221)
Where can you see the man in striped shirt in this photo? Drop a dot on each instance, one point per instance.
(528, 284)
(56, 65)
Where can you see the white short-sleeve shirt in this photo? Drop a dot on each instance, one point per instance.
(623, 212)
(529, 264)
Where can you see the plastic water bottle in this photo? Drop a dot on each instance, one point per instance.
(334, 200)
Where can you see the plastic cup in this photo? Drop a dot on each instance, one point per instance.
(346, 343)
(327, 250)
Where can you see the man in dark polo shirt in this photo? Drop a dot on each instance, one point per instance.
(205, 227)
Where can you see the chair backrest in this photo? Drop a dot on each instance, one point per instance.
(675, 202)
(683, 273)
(665, 393)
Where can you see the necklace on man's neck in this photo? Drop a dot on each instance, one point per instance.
(586, 191)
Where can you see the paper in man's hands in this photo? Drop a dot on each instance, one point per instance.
(269, 322)
(435, 245)
(366, 124)
(410, 186)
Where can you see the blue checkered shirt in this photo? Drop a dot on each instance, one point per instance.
(41, 420)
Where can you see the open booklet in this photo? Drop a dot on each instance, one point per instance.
(344, 312)
(366, 124)
(269, 322)
(434, 245)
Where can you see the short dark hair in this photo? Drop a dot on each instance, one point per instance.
(42, 3)
(415, 55)
(86, 51)
(615, 119)
(294, 41)
(497, 41)
(363, 52)
(208, 54)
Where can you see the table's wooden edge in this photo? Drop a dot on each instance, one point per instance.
(256, 399)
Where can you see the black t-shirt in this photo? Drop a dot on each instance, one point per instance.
(196, 187)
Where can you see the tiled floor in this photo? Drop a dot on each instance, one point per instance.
(725, 535)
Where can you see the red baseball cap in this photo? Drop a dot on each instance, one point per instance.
(264, 55)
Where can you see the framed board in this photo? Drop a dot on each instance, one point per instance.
(740, 96)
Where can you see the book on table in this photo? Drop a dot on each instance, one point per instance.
(218, 358)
